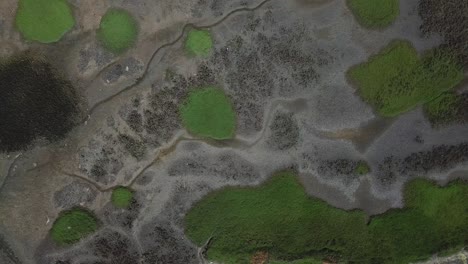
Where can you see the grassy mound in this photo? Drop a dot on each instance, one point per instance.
(198, 43)
(122, 197)
(396, 80)
(44, 20)
(35, 102)
(73, 225)
(118, 30)
(281, 219)
(362, 168)
(444, 109)
(208, 113)
(375, 14)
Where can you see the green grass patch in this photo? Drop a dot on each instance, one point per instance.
(300, 261)
(396, 80)
(118, 30)
(199, 43)
(208, 112)
(375, 13)
(45, 21)
(278, 217)
(444, 109)
(73, 225)
(122, 197)
(362, 168)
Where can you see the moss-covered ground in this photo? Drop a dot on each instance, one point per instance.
(301, 261)
(118, 30)
(208, 112)
(375, 14)
(280, 218)
(122, 197)
(44, 20)
(73, 225)
(198, 42)
(362, 168)
(396, 80)
(444, 109)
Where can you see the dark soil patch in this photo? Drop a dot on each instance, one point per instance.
(161, 118)
(450, 19)
(288, 46)
(344, 169)
(284, 131)
(135, 121)
(35, 102)
(114, 247)
(163, 244)
(108, 246)
(227, 165)
(135, 147)
(107, 166)
(438, 159)
(449, 108)
(463, 111)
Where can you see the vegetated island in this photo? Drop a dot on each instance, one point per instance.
(396, 80)
(279, 218)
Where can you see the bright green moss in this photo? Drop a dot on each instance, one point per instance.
(281, 219)
(375, 13)
(208, 113)
(122, 197)
(73, 225)
(396, 80)
(198, 43)
(118, 30)
(45, 21)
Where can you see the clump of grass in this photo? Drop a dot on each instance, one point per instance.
(375, 14)
(118, 30)
(208, 112)
(73, 225)
(199, 43)
(45, 21)
(300, 261)
(281, 219)
(396, 80)
(362, 168)
(122, 197)
(444, 109)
